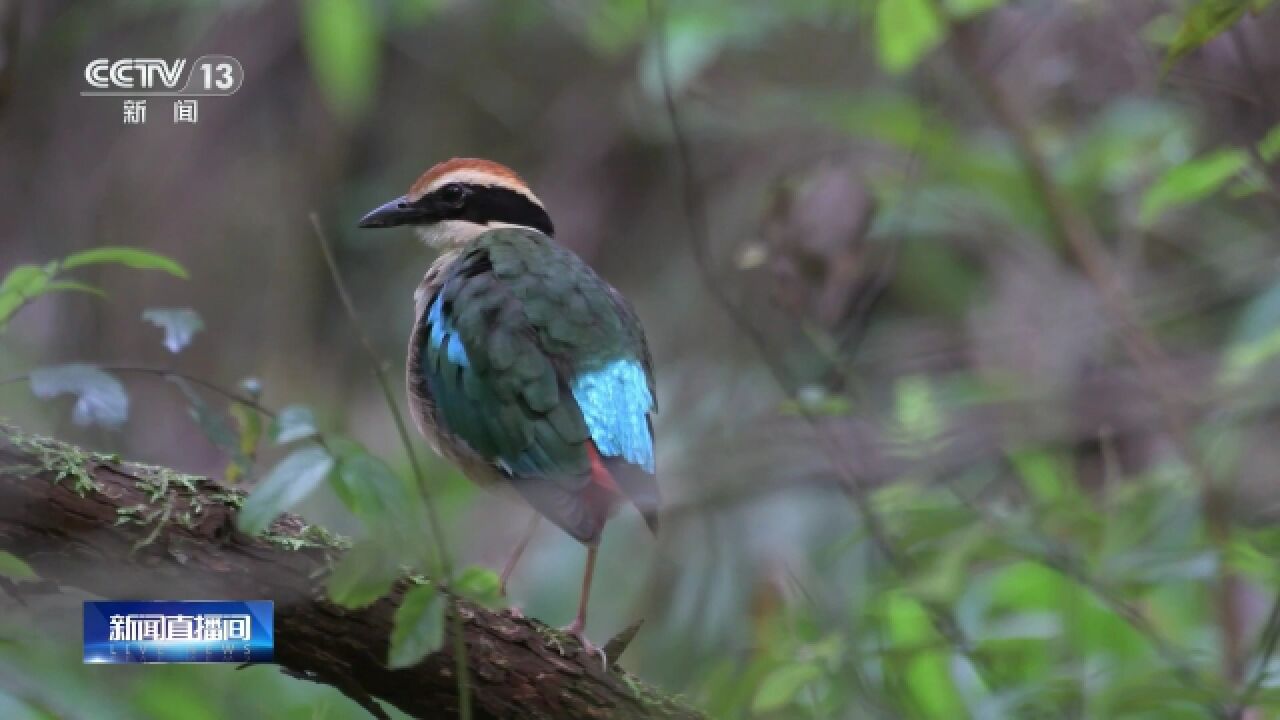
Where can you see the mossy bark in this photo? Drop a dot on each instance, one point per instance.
(122, 530)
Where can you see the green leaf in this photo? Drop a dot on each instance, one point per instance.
(248, 429)
(130, 257)
(9, 304)
(1242, 361)
(964, 9)
(905, 31)
(174, 697)
(892, 118)
(293, 479)
(414, 12)
(927, 670)
(419, 627)
(15, 568)
(1269, 146)
(478, 584)
(946, 573)
(180, 325)
(293, 423)
(689, 49)
(364, 574)
(1191, 181)
(1154, 567)
(921, 420)
(73, 286)
(1047, 477)
(1125, 141)
(212, 423)
(1204, 21)
(1157, 693)
(1250, 182)
(100, 398)
(1256, 340)
(377, 496)
(23, 283)
(27, 280)
(781, 686)
(342, 43)
(1244, 556)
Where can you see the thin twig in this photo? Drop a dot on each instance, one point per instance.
(444, 564)
(1267, 643)
(163, 373)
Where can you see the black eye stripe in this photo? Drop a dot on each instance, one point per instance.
(444, 193)
(491, 203)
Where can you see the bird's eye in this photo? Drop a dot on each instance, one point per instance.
(453, 193)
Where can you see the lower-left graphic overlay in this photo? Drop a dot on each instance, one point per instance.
(179, 631)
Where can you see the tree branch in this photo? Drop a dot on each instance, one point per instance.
(120, 530)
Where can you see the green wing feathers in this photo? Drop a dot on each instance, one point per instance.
(517, 326)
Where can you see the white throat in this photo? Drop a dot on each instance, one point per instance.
(451, 233)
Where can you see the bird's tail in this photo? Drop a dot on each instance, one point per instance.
(640, 487)
(583, 511)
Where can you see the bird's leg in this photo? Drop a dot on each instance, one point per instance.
(579, 624)
(515, 558)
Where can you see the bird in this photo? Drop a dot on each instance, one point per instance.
(526, 369)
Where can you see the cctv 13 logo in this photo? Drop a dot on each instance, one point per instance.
(208, 75)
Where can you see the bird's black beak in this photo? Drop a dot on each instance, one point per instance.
(397, 212)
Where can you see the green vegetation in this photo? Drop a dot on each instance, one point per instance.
(965, 315)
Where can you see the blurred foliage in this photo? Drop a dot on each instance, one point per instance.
(1191, 181)
(25, 283)
(180, 326)
(15, 568)
(905, 30)
(100, 398)
(419, 627)
(1042, 547)
(1205, 20)
(342, 38)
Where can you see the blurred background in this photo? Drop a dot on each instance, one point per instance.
(965, 316)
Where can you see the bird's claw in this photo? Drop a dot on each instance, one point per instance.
(575, 630)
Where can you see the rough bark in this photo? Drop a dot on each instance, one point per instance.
(120, 530)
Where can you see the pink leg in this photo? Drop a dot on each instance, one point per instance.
(517, 553)
(579, 623)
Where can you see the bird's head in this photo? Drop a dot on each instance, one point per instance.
(457, 199)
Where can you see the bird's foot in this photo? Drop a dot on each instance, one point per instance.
(575, 629)
(513, 610)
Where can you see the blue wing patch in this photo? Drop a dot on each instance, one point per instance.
(440, 327)
(615, 402)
